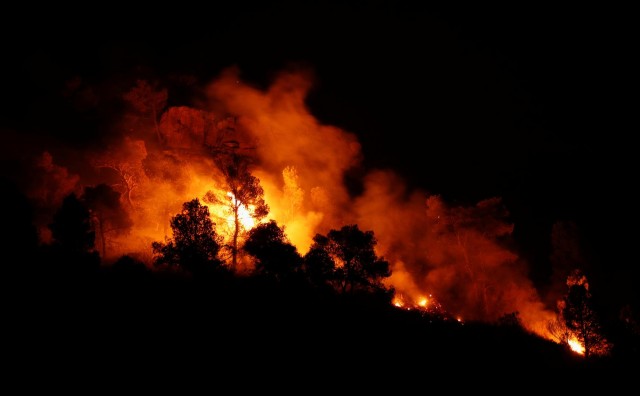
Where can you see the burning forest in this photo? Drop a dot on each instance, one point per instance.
(257, 160)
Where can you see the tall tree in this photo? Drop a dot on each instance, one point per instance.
(243, 196)
(126, 162)
(108, 214)
(148, 100)
(195, 244)
(73, 236)
(356, 265)
(71, 228)
(318, 266)
(581, 318)
(275, 256)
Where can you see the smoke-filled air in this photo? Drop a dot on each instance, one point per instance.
(454, 258)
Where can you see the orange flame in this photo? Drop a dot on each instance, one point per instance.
(244, 214)
(576, 345)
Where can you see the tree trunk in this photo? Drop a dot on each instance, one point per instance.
(236, 231)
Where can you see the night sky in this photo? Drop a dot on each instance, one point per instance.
(532, 104)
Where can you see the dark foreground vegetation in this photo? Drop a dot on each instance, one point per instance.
(131, 320)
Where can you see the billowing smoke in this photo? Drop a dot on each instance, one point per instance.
(462, 256)
(302, 162)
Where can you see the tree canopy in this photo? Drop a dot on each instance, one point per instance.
(71, 227)
(275, 256)
(347, 258)
(73, 237)
(195, 244)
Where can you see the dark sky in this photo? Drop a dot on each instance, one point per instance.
(529, 103)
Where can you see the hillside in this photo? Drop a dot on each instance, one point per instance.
(141, 320)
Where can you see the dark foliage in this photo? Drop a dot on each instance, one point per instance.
(195, 244)
(72, 250)
(346, 259)
(71, 227)
(275, 256)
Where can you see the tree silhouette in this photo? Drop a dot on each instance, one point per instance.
(107, 213)
(129, 267)
(71, 228)
(318, 265)
(195, 244)
(73, 236)
(126, 162)
(580, 317)
(356, 267)
(275, 256)
(243, 192)
(149, 101)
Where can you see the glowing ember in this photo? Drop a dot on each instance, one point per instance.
(423, 302)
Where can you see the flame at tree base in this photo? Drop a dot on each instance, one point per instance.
(576, 346)
(427, 306)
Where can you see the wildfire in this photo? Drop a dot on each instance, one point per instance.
(425, 305)
(301, 164)
(400, 301)
(244, 214)
(222, 212)
(575, 345)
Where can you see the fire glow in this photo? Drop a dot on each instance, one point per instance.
(454, 251)
(576, 346)
(244, 214)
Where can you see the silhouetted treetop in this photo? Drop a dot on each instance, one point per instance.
(348, 260)
(275, 256)
(71, 228)
(195, 244)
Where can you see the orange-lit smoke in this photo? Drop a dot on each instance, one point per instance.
(302, 162)
(459, 255)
